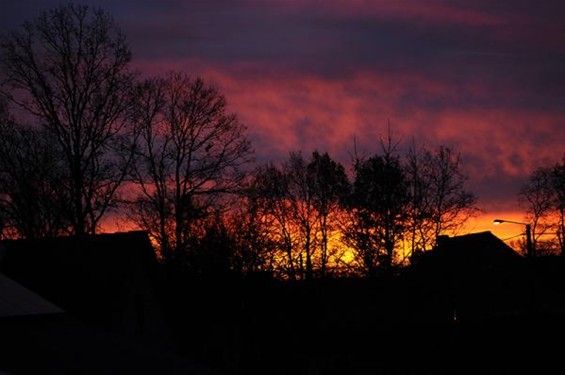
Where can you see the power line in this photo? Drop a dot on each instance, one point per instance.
(517, 235)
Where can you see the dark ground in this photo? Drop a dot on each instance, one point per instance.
(414, 323)
(396, 326)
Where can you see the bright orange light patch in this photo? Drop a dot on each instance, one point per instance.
(507, 232)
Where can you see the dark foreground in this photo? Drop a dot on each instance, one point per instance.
(368, 327)
(472, 306)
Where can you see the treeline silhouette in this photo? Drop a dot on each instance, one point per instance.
(167, 154)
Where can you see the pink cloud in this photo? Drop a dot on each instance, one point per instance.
(289, 111)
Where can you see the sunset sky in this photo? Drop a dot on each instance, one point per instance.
(484, 77)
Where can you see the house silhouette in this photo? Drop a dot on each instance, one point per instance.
(88, 305)
(105, 280)
(470, 277)
(477, 306)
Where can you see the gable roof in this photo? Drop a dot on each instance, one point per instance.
(476, 275)
(476, 255)
(15, 300)
(476, 249)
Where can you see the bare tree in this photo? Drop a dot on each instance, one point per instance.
(30, 175)
(439, 202)
(303, 214)
(538, 197)
(558, 177)
(269, 191)
(301, 201)
(190, 151)
(544, 198)
(68, 68)
(329, 185)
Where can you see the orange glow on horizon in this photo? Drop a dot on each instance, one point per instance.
(507, 232)
(341, 254)
(113, 224)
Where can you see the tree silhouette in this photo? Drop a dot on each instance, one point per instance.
(31, 205)
(189, 152)
(544, 198)
(329, 185)
(213, 252)
(439, 203)
(378, 207)
(300, 202)
(269, 191)
(558, 177)
(254, 244)
(68, 68)
(303, 214)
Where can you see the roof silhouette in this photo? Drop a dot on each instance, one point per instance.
(91, 278)
(481, 249)
(16, 300)
(112, 322)
(473, 276)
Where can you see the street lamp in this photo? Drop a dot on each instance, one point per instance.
(529, 244)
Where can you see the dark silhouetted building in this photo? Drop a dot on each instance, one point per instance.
(88, 305)
(470, 277)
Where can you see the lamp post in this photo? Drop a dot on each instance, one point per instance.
(529, 244)
(531, 304)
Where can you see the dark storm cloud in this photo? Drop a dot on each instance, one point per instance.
(516, 51)
(506, 43)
